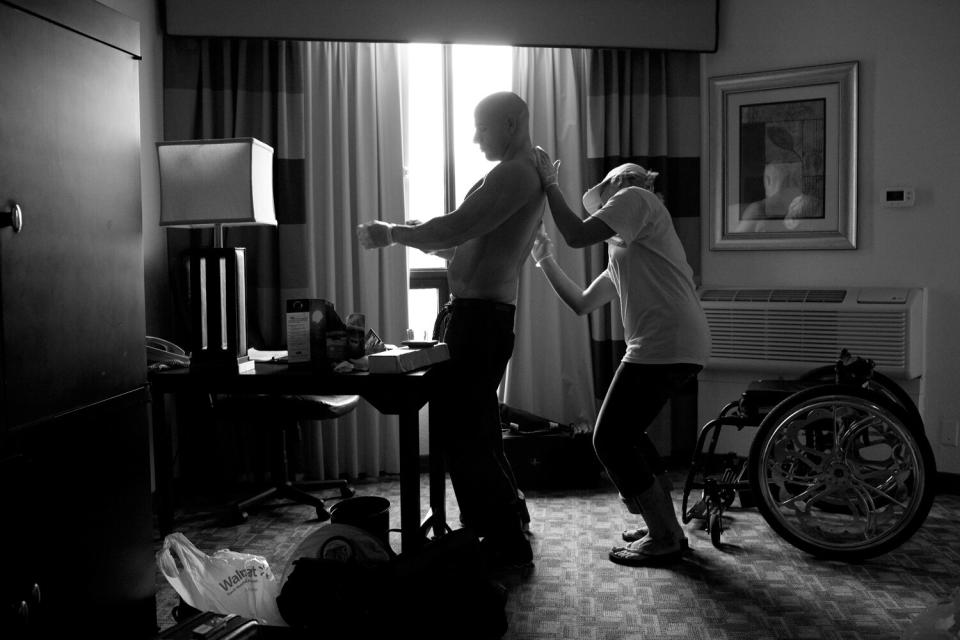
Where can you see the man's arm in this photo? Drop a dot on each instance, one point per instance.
(502, 193)
(446, 254)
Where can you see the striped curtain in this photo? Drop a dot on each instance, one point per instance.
(237, 88)
(642, 107)
(218, 88)
(331, 111)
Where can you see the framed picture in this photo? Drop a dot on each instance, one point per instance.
(783, 159)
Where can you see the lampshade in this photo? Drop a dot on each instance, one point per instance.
(216, 182)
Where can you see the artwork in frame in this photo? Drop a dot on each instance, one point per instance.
(783, 159)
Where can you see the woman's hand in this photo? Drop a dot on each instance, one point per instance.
(542, 246)
(546, 169)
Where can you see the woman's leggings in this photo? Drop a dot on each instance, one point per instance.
(636, 395)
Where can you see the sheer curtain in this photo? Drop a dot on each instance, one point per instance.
(331, 111)
(354, 175)
(550, 372)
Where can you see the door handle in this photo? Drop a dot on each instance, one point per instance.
(12, 218)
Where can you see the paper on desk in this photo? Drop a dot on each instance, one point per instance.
(266, 356)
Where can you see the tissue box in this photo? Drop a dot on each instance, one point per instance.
(405, 359)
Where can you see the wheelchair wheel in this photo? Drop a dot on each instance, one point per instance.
(842, 472)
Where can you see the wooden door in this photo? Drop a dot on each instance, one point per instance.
(71, 281)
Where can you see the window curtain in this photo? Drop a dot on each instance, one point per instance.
(595, 109)
(331, 111)
(550, 373)
(355, 168)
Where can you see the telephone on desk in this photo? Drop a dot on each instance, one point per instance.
(163, 354)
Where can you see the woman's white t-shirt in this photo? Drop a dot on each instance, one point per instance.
(663, 320)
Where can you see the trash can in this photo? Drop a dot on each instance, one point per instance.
(371, 513)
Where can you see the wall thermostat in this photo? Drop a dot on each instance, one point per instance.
(898, 197)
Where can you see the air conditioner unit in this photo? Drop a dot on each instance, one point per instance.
(791, 330)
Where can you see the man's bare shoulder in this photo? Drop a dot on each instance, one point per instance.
(518, 173)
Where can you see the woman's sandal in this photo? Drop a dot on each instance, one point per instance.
(634, 558)
(632, 535)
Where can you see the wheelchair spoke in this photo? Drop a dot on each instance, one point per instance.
(869, 488)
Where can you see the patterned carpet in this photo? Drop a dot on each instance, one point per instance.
(756, 586)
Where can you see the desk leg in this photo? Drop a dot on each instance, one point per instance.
(163, 463)
(438, 480)
(410, 537)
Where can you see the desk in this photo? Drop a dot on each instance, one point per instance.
(393, 394)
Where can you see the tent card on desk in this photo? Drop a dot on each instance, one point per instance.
(404, 359)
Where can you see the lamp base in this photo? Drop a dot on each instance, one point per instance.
(218, 311)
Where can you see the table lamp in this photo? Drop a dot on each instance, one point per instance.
(212, 183)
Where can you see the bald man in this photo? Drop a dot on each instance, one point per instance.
(486, 241)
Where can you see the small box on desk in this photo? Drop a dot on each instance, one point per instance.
(405, 359)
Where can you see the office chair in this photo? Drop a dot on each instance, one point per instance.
(282, 414)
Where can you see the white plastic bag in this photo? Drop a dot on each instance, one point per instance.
(226, 582)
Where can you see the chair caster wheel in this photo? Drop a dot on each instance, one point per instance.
(347, 492)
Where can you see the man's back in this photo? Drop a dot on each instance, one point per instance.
(488, 266)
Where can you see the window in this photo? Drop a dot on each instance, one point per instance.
(442, 85)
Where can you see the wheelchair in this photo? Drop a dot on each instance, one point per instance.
(839, 466)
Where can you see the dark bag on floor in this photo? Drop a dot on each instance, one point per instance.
(548, 455)
(437, 592)
(443, 591)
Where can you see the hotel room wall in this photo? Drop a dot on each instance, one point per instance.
(158, 304)
(908, 132)
(156, 287)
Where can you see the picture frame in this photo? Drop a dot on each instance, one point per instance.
(783, 159)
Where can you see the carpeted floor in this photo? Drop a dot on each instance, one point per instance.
(755, 586)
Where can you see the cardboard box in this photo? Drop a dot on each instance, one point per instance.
(405, 359)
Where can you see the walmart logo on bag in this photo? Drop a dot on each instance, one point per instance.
(242, 576)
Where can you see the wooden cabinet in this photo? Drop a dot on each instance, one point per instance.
(76, 530)
(71, 281)
(75, 501)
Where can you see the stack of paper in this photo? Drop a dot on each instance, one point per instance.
(405, 359)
